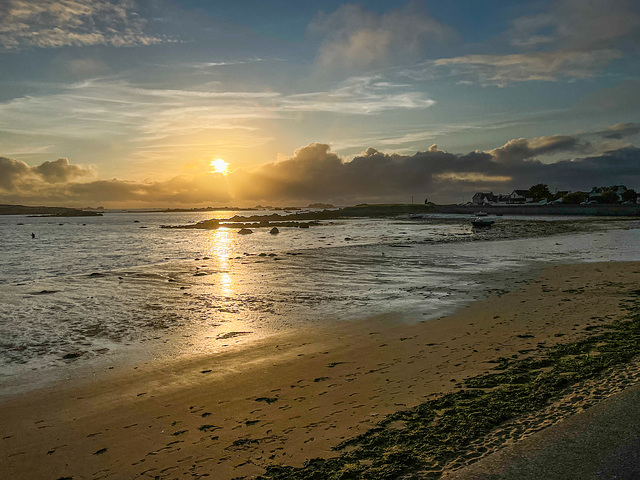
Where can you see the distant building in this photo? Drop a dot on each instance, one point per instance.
(482, 198)
(596, 193)
(620, 189)
(520, 196)
(517, 196)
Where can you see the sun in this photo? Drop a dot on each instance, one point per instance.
(219, 166)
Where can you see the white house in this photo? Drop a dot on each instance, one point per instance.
(520, 196)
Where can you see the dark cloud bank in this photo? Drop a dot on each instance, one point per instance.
(315, 173)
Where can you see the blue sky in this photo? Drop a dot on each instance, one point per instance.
(125, 102)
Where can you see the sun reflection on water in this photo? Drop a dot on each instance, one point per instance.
(226, 284)
(222, 246)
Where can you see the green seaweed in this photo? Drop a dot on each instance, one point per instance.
(437, 431)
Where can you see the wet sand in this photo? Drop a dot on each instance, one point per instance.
(293, 396)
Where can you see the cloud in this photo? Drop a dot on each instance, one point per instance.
(580, 25)
(356, 38)
(14, 173)
(524, 67)
(316, 173)
(572, 39)
(60, 23)
(61, 170)
(621, 130)
(521, 149)
(60, 183)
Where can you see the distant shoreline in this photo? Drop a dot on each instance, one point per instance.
(362, 210)
(534, 209)
(46, 211)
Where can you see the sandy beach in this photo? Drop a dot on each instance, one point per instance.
(294, 396)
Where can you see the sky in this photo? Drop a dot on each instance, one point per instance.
(126, 103)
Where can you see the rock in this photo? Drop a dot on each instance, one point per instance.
(274, 231)
(211, 224)
(69, 356)
(245, 231)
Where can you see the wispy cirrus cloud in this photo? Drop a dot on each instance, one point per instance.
(524, 67)
(60, 23)
(144, 119)
(403, 140)
(358, 96)
(120, 102)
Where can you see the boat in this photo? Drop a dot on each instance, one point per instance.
(416, 216)
(481, 214)
(480, 222)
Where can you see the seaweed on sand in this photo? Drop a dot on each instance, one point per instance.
(418, 442)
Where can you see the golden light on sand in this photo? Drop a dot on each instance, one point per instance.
(219, 166)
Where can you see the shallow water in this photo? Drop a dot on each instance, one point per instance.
(119, 287)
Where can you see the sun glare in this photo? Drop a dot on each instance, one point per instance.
(219, 166)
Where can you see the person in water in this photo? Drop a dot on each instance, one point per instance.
(33, 235)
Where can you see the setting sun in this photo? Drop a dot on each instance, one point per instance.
(219, 166)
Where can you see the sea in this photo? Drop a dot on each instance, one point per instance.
(89, 292)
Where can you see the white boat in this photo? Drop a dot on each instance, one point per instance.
(481, 214)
